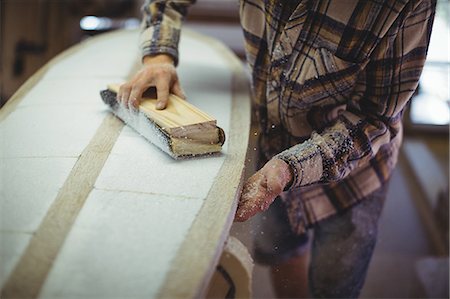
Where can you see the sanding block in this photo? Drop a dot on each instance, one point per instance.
(180, 130)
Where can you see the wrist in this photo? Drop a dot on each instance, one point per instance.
(157, 59)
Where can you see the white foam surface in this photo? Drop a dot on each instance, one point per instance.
(86, 92)
(120, 246)
(29, 186)
(49, 131)
(113, 56)
(135, 164)
(200, 52)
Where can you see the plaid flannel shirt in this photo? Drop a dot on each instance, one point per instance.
(331, 79)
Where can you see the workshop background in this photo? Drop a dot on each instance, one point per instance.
(411, 257)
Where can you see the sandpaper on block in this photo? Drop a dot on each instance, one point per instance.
(180, 130)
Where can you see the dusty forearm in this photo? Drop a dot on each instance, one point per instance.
(325, 157)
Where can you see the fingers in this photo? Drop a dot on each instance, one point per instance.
(178, 91)
(161, 75)
(130, 95)
(162, 90)
(135, 96)
(124, 94)
(255, 197)
(262, 188)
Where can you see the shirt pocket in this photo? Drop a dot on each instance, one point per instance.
(317, 80)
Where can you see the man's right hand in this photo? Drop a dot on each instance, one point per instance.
(158, 71)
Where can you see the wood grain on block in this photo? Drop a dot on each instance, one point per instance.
(190, 130)
(184, 146)
(180, 119)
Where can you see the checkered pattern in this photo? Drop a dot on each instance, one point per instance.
(331, 79)
(161, 26)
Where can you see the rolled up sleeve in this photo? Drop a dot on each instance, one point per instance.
(161, 26)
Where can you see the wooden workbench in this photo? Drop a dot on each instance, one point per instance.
(89, 209)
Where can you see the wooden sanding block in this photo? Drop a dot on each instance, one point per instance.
(180, 130)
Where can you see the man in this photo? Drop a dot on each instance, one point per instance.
(330, 81)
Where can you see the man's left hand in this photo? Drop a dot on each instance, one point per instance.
(262, 188)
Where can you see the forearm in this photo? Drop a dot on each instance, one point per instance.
(322, 158)
(161, 26)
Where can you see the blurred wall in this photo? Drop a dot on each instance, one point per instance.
(34, 31)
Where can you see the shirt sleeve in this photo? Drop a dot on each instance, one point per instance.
(374, 119)
(161, 25)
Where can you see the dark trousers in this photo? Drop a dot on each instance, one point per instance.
(342, 245)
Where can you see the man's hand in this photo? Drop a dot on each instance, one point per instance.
(158, 71)
(262, 188)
